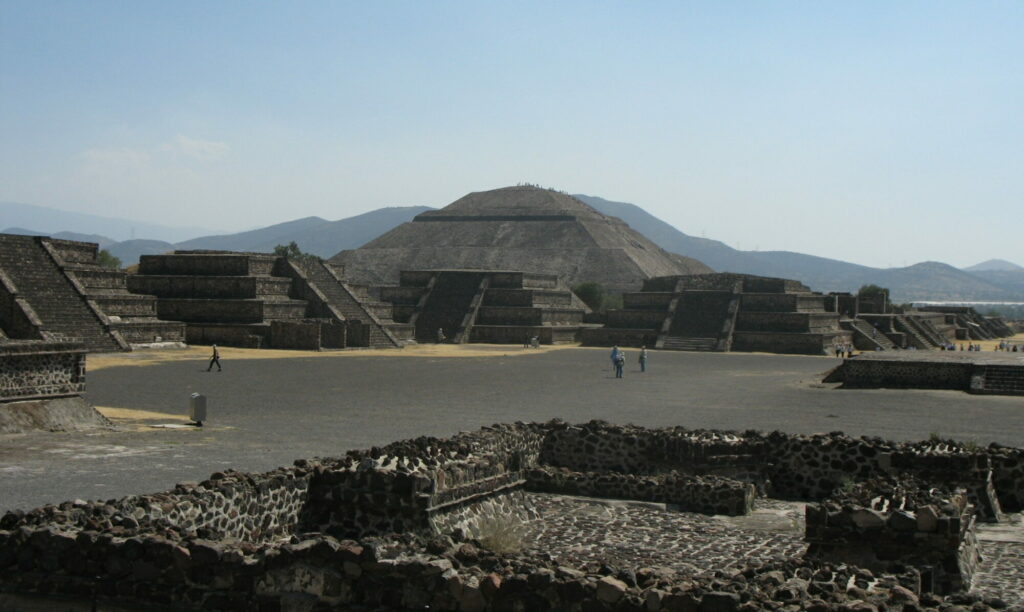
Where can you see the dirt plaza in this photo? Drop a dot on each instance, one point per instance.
(268, 408)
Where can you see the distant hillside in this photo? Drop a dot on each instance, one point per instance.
(51, 221)
(129, 251)
(1009, 280)
(929, 280)
(103, 241)
(995, 265)
(312, 234)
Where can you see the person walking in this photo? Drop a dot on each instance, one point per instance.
(643, 358)
(616, 353)
(214, 359)
(620, 364)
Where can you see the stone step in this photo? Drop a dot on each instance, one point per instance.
(677, 343)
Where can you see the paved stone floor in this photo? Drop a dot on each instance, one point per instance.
(627, 534)
(1001, 572)
(630, 535)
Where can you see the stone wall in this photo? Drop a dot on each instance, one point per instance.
(787, 343)
(898, 524)
(874, 373)
(705, 494)
(796, 322)
(197, 263)
(37, 369)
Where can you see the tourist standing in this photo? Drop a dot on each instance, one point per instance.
(214, 359)
(643, 358)
(616, 361)
(620, 364)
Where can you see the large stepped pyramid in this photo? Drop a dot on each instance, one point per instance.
(63, 294)
(527, 229)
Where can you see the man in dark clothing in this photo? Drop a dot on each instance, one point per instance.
(214, 359)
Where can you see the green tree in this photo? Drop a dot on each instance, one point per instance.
(872, 291)
(293, 252)
(106, 260)
(592, 294)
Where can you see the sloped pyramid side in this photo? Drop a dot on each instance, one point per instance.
(517, 228)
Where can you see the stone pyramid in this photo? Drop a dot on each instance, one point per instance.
(524, 229)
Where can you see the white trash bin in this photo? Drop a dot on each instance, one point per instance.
(197, 408)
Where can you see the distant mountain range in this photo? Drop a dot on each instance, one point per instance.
(995, 280)
(312, 234)
(51, 221)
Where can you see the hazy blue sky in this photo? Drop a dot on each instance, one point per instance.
(881, 133)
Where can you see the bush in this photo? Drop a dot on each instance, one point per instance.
(592, 294)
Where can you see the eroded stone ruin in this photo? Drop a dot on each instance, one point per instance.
(890, 526)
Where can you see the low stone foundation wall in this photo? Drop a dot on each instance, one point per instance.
(874, 373)
(609, 336)
(704, 494)
(34, 369)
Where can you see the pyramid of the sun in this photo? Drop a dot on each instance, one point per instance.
(525, 229)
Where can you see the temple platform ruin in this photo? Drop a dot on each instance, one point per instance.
(992, 372)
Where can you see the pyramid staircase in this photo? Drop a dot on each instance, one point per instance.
(133, 316)
(483, 306)
(60, 305)
(1000, 379)
(867, 337)
(916, 336)
(678, 343)
(446, 305)
(347, 304)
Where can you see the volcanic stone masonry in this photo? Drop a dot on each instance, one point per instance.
(405, 526)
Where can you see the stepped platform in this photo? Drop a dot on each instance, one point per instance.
(257, 300)
(992, 373)
(487, 306)
(722, 312)
(56, 290)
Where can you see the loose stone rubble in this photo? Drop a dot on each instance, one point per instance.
(408, 526)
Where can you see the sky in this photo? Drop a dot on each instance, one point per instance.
(879, 133)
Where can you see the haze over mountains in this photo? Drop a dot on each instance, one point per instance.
(995, 280)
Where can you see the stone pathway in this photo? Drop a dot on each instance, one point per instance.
(1001, 572)
(628, 535)
(582, 531)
